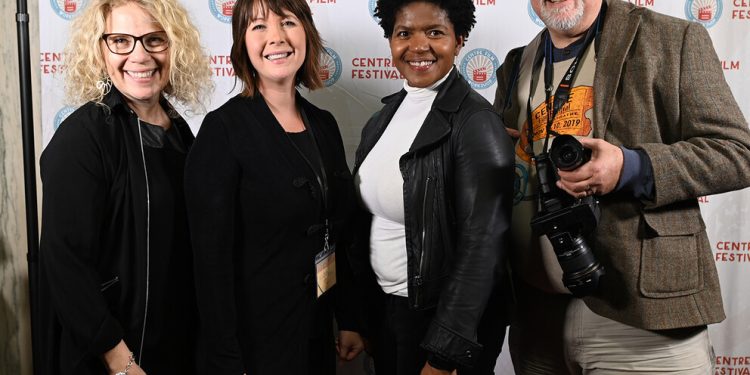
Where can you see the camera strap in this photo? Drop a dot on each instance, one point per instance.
(545, 53)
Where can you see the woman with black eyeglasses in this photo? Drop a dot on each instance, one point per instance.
(117, 289)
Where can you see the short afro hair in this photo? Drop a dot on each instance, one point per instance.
(460, 13)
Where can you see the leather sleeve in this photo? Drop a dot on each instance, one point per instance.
(483, 186)
(211, 181)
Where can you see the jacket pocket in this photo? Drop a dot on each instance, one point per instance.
(670, 257)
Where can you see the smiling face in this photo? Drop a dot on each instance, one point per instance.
(423, 43)
(276, 47)
(140, 76)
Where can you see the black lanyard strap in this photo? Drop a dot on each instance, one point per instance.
(562, 94)
(320, 173)
(545, 53)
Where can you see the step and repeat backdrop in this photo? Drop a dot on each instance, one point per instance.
(358, 72)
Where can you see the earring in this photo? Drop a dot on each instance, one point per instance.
(104, 85)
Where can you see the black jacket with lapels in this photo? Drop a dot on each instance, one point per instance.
(256, 210)
(458, 187)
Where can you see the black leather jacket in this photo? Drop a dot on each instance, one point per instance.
(458, 186)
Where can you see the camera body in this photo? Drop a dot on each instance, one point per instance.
(564, 219)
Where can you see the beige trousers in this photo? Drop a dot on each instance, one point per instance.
(555, 334)
(595, 345)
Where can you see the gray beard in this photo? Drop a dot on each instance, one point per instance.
(556, 20)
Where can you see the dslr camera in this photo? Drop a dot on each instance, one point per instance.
(565, 220)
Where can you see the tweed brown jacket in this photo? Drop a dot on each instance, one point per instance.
(658, 87)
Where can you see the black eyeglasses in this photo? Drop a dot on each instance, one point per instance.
(123, 44)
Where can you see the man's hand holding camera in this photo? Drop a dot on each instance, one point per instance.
(599, 176)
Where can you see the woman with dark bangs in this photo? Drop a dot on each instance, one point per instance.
(268, 194)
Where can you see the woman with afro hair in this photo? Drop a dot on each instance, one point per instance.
(434, 173)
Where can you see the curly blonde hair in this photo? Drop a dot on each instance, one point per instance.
(86, 73)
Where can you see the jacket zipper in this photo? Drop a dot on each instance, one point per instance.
(418, 278)
(107, 284)
(148, 244)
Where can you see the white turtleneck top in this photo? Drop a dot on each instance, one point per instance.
(380, 187)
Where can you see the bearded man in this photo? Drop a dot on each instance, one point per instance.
(645, 94)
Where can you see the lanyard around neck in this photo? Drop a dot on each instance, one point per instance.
(545, 53)
(320, 173)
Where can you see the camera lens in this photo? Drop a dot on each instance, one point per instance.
(581, 270)
(567, 153)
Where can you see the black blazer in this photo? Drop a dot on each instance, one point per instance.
(255, 211)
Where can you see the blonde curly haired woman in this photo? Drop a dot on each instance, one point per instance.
(116, 265)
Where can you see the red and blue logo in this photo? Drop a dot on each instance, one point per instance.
(478, 67)
(330, 67)
(222, 9)
(68, 9)
(705, 12)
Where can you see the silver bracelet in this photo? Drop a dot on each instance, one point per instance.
(128, 366)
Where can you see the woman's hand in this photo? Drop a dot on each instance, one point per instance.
(349, 345)
(429, 370)
(117, 359)
(135, 370)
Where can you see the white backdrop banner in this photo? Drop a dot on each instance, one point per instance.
(358, 72)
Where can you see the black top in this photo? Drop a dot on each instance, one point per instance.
(172, 286)
(304, 143)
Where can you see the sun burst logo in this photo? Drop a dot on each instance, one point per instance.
(478, 67)
(330, 67)
(68, 9)
(222, 9)
(705, 12)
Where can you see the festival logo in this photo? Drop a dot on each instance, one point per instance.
(705, 12)
(330, 67)
(61, 115)
(372, 4)
(68, 9)
(520, 184)
(222, 9)
(478, 67)
(534, 17)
